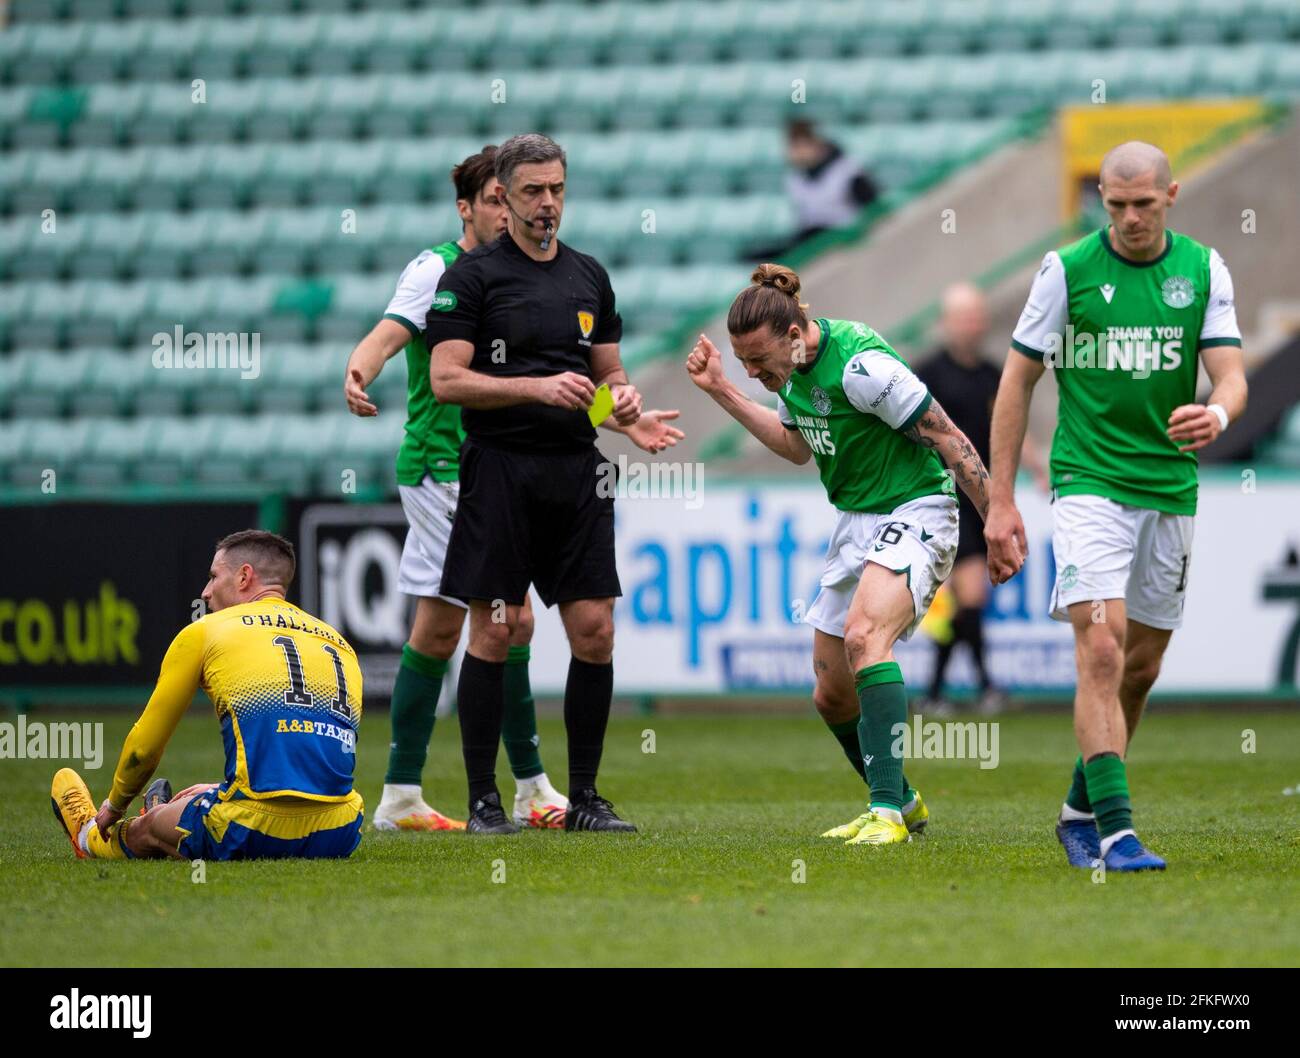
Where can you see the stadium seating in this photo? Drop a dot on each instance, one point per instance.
(228, 214)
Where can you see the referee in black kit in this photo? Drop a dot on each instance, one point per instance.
(521, 333)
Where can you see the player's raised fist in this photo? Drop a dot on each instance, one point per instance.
(568, 390)
(704, 365)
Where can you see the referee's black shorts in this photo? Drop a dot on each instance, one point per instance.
(532, 518)
(970, 530)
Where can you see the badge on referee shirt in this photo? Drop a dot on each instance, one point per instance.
(586, 321)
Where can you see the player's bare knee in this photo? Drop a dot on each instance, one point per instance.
(866, 641)
(523, 630)
(593, 640)
(140, 836)
(832, 705)
(435, 642)
(1140, 675)
(1101, 657)
(490, 641)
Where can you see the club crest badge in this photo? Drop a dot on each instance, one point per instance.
(1177, 292)
(821, 401)
(586, 321)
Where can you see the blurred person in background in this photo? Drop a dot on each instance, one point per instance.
(827, 188)
(965, 383)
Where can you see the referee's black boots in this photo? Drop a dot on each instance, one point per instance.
(487, 817)
(589, 811)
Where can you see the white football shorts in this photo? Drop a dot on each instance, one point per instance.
(1109, 550)
(430, 508)
(918, 538)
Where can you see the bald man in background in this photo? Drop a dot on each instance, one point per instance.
(965, 384)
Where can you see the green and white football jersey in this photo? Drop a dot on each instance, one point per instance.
(851, 404)
(1123, 337)
(433, 435)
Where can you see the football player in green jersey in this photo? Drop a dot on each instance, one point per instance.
(848, 401)
(428, 468)
(1123, 315)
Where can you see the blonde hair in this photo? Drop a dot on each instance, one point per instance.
(771, 300)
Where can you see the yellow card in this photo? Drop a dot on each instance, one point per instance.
(602, 405)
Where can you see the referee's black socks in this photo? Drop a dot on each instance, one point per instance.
(480, 703)
(587, 695)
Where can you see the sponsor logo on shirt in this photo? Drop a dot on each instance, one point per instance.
(886, 391)
(1107, 291)
(444, 301)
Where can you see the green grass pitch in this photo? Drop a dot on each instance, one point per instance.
(727, 805)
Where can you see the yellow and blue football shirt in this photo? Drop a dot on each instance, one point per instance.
(286, 688)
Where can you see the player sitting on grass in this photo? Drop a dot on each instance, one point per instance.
(287, 692)
(428, 471)
(848, 401)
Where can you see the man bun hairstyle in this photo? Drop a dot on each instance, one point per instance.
(270, 555)
(771, 300)
(475, 171)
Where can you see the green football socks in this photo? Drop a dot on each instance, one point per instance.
(519, 722)
(1108, 791)
(883, 701)
(1077, 798)
(846, 734)
(414, 709)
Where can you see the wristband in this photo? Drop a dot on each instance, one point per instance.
(1219, 414)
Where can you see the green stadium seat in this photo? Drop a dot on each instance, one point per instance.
(239, 449)
(110, 245)
(108, 52)
(176, 447)
(110, 114)
(53, 444)
(294, 376)
(1284, 72)
(49, 382)
(47, 56)
(169, 49)
(114, 448)
(11, 433)
(1241, 71)
(284, 174)
(115, 383)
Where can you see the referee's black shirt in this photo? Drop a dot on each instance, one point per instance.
(965, 393)
(526, 318)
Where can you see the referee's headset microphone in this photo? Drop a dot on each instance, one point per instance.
(550, 224)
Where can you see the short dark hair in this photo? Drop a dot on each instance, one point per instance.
(474, 172)
(526, 149)
(270, 555)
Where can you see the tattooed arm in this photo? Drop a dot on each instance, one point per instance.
(934, 430)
